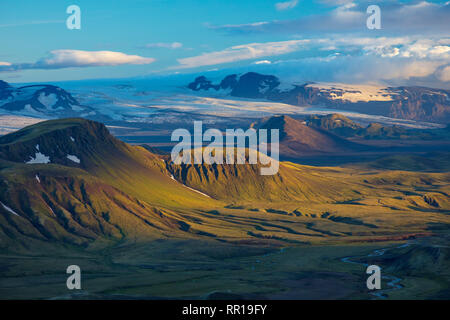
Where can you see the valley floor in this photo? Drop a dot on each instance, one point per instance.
(169, 269)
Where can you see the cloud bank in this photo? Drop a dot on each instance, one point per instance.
(165, 45)
(349, 59)
(241, 52)
(412, 46)
(280, 6)
(410, 18)
(59, 59)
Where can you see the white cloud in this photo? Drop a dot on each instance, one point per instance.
(242, 52)
(286, 5)
(79, 58)
(65, 58)
(410, 60)
(240, 28)
(444, 74)
(262, 62)
(413, 48)
(426, 49)
(166, 45)
(396, 58)
(350, 16)
(406, 47)
(358, 69)
(396, 69)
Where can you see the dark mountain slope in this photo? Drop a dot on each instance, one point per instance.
(297, 139)
(335, 123)
(44, 100)
(344, 127)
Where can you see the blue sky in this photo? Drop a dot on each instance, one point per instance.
(322, 40)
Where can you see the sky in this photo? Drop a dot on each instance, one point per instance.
(298, 40)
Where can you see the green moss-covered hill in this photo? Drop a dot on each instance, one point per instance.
(71, 182)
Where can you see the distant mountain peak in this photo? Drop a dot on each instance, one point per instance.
(4, 84)
(248, 85)
(297, 139)
(412, 103)
(40, 100)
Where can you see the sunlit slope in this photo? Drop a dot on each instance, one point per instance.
(237, 182)
(75, 207)
(113, 191)
(99, 154)
(84, 187)
(326, 204)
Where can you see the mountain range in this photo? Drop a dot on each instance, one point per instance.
(70, 181)
(415, 103)
(342, 126)
(40, 100)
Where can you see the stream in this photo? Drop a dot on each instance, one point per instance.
(393, 281)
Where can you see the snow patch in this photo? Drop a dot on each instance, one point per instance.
(354, 93)
(37, 178)
(28, 108)
(48, 101)
(71, 138)
(203, 194)
(73, 158)
(39, 158)
(171, 176)
(9, 209)
(285, 86)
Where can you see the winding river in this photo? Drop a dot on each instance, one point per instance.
(393, 281)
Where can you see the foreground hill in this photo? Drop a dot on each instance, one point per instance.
(415, 103)
(69, 182)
